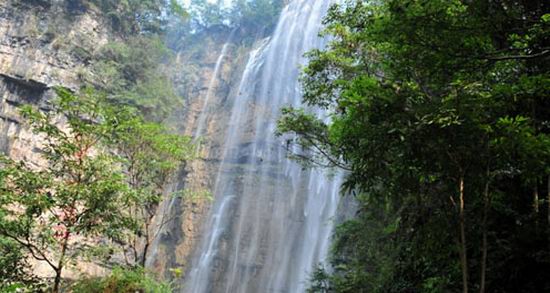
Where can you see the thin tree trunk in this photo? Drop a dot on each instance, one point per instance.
(463, 252)
(60, 264)
(135, 250)
(57, 281)
(536, 206)
(548, 206)
(145, 249)
(486, 204)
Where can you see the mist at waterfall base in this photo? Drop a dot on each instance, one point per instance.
(271, 220)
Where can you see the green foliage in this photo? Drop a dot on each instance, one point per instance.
(178, 10)
(14, 268)
(11, 261)
(80, 191)
(426, 97)
(152, 152)
(130, 17)
(152, 157)
(206, 15)
(259, 14)
(122, 281)
(249, 17)
(131, 73)
(104, 171)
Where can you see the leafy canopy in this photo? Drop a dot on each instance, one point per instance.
(102, 173)
(424, 96)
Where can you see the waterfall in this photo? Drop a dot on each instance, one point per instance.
(212, 85)
(271, 221)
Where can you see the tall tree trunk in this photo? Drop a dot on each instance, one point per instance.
(486, 205)
(536, 206)
(548, 206)
(463, 252)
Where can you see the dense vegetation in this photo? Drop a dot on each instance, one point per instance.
(132, 72)
(440, 116)
(249, 19)
(123, 281)
(132, 68)
(104, 172)
(132, 17)
(107, 157)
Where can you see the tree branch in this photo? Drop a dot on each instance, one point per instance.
(518, 57)
(31, 248)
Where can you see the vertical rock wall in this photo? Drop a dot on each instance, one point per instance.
(207, 92)
(43, 43)
(47, 43)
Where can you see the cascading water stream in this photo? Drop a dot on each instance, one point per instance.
(202, 268)
(271, 220)
(165, 207)
(212, 86)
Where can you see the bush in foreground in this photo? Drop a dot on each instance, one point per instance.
(122, 281)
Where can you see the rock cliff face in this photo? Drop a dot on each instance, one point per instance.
(206, 78)
(43, 44)
(48, 43)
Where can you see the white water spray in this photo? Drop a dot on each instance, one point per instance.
(272, 220)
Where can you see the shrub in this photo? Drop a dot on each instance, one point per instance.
(130, 71)
(122, 281)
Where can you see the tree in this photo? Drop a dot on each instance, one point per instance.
(132, 17)
(438, 112)
(53, 212)
(130, 72)
(14, 267)
(123, 280)
(260, 15)
(152, 158)
(104, 173)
